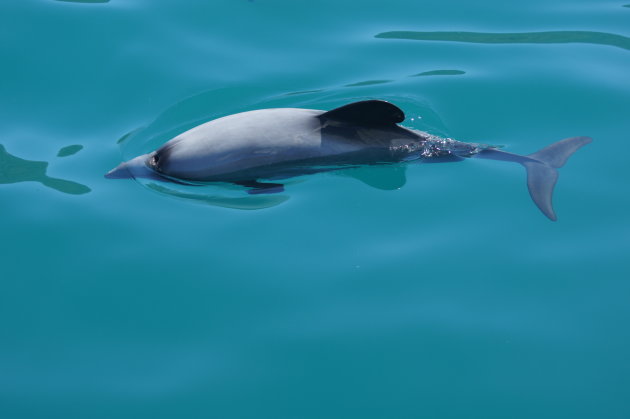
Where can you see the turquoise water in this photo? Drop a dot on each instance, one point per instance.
(451, 297)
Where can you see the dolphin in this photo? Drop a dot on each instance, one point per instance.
(256, 149)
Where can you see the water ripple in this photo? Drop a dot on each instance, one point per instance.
(368, 83)
(440, 73)
(550, 37)
(85, 1)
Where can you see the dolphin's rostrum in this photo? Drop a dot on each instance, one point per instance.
(258, 148)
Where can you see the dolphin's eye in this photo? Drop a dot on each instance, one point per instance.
(155, 159)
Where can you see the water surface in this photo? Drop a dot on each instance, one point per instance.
(449, 297)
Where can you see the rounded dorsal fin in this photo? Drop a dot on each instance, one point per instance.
(366, 112)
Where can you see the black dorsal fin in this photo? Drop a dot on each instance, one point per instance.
(366, 112)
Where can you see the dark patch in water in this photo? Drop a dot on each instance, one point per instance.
(440, 73)
(69, 150)
(14, 169)
(552, 37)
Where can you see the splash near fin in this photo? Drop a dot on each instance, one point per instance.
(542, 174)
(367, 112)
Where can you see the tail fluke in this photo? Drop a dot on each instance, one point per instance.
(557, 154)
(542, 174)
(541, 180)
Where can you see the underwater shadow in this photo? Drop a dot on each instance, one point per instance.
(551, 37)
(218, 194)
(14, 170)
(243, 203)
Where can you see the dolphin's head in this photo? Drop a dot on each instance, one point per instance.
(134, 168)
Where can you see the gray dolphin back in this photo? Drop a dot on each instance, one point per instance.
(242, 147)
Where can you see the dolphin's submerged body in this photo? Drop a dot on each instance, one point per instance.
(258, 148)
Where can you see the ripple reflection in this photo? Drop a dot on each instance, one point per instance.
(368, 83)
(84, 1)
(14, 170)
(69, 150)
(440, 73)
(551, 37)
